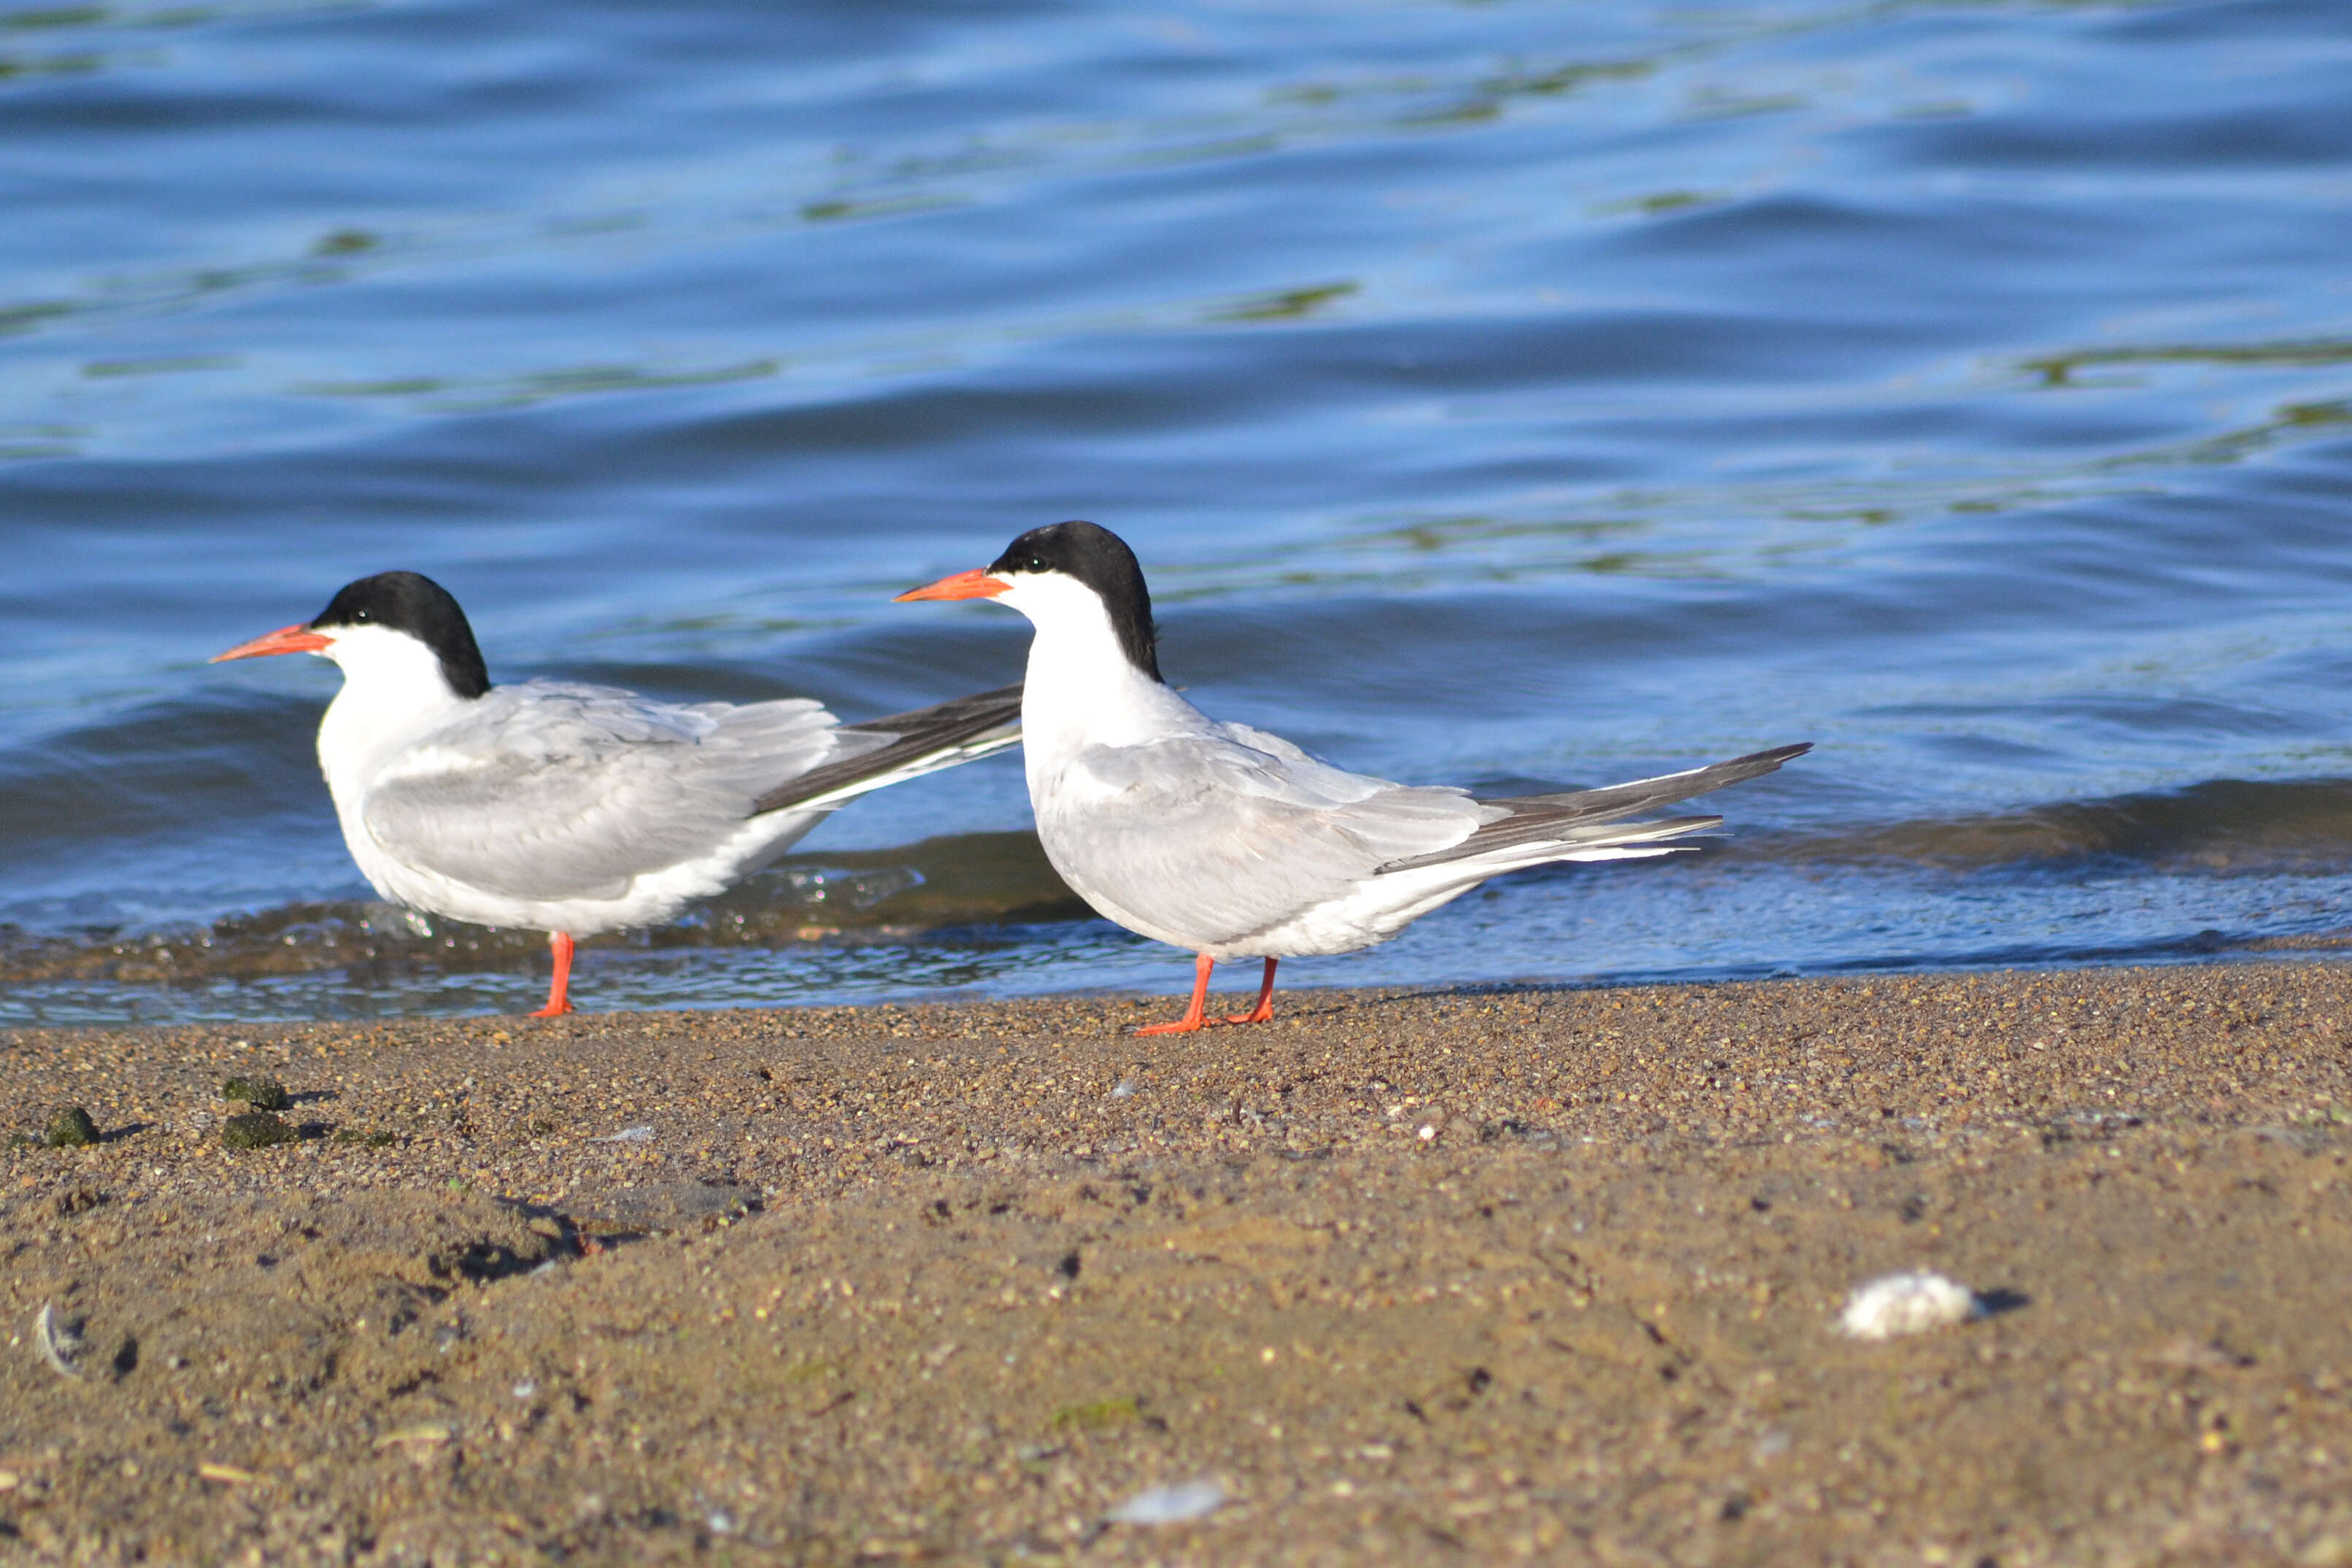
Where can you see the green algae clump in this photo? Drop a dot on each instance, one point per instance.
(261, 1093)
(70, 1128)
(1099, 1416)
(255, 1130)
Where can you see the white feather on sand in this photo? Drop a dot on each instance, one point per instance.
(1895, 1304)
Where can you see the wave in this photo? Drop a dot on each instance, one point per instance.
(2222, 827)
(846, 896)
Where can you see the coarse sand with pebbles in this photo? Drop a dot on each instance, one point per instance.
(1399, 1278)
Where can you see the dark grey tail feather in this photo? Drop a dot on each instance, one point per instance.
(1614, 800)
(970, 726)
(1539, 818)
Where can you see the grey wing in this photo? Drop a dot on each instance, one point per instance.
(1214, 839)
(549, 790)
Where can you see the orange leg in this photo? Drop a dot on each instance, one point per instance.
(559, 997)
(1264, 1008)
(1192, 1019)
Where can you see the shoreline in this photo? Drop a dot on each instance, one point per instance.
(1492, 1273)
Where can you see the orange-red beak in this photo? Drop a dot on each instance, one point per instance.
(962, 585)
(296, 639)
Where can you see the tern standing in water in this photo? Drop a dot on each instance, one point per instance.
(575, 810)
(1233, 843)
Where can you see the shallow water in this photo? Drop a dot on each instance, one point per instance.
(1500, 394)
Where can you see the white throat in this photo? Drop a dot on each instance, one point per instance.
(394, 692)
(1082, 691)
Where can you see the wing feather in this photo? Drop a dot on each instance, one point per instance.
(1209, 840)
(552, 790)
(904, 745)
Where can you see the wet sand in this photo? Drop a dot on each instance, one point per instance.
(1408, 1278)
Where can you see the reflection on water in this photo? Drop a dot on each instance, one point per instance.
(1515, 395)
(2067, 370)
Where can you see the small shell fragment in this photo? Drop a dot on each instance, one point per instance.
(60, 1341)
(626, 1135)
(1895, 1304)
(432, 1434)
(1169, 1505)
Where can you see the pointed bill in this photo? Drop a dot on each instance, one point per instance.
(295, 638)
(962, 585)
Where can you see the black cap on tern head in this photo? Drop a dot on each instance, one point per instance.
(1100, 559)
(411, 602)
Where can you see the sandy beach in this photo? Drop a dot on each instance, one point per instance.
(1401, 1277)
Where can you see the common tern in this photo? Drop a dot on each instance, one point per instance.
(1233, 843)
(569, 809)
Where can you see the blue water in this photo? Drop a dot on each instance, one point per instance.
(1507, 394)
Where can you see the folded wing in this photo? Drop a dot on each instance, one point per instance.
(1218, 837)
(1208, 841)
(549, 790)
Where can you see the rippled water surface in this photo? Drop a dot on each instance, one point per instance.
(1508, 393)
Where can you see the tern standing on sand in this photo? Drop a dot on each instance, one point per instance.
(1232, 842)
(575, 810)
